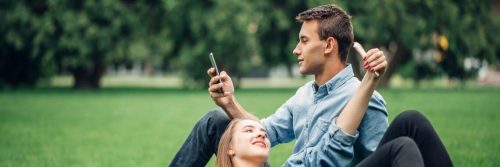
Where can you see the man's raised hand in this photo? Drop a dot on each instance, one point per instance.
(221, 99)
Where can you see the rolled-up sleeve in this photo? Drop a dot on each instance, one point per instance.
(338, 135)
(336, 148)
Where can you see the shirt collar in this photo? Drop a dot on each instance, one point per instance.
(337, 81)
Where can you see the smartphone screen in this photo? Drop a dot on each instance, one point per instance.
(214, 65)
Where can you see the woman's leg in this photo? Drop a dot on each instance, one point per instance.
(399, 152)
(203, 140)
(415, 126)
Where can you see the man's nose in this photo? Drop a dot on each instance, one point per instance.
(296, 51)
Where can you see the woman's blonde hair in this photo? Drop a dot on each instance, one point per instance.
(223, 157)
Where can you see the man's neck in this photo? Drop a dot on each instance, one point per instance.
(328, 73)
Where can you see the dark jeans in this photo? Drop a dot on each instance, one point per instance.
(410, 140)
(203, 141)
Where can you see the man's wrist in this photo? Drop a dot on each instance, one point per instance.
(230, 106)
(235, 110)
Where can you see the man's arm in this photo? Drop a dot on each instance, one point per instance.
(226, 100)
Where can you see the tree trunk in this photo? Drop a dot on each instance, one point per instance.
(88, 77)
(401, 56)
(354, 59)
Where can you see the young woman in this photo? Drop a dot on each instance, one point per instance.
(410, 140)
(244, 143)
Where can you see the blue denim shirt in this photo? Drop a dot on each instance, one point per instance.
(309, 118)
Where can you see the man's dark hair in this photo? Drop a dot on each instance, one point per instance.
(333, 22)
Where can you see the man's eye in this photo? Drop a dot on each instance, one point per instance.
(248, 130)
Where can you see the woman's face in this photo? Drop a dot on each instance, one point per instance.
(250, 141)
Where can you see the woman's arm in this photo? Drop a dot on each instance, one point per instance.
(352, 114)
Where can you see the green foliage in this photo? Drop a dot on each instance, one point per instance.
(224, 27)
(419, 71)
(19, 35)
(278, 32)
(82, 37)
(403, 26)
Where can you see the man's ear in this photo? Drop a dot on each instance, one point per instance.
(331, 45)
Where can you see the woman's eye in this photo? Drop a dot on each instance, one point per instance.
(248, 130)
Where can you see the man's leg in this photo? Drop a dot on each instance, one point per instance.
(203, 141)
(415, 126)
(399, 152)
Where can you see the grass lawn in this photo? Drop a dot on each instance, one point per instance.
(145, 127)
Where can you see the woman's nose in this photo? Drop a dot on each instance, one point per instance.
(261, 135)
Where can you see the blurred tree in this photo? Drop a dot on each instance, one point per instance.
(467, 31)
(80, 36)
(91, 34)
(278, 32)
(403, 26)
(18, 34)
(224, 27)
(38, 38)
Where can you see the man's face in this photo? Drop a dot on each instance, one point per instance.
(310, 49)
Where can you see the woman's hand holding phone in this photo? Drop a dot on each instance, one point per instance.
(374, 60)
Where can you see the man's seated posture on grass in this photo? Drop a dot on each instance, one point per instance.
(325, 39)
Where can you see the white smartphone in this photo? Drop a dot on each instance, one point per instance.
(214, 65)
(359, 48)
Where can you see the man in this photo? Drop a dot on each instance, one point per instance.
(309, 116)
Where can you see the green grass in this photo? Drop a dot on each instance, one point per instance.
(145, 127)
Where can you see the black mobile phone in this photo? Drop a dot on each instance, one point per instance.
(214, 65)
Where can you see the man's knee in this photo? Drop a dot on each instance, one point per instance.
(214, 121)
(406, 152)
(413, 117)
(405, 143)
(409, 115)
(216, 117)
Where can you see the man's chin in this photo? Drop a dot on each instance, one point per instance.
(304, 72)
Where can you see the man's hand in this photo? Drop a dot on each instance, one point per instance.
(221, 99)
(375, 61)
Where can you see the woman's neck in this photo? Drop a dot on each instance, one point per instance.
(238, 162)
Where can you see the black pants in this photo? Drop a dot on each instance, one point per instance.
(203, 140)
(410, 140)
